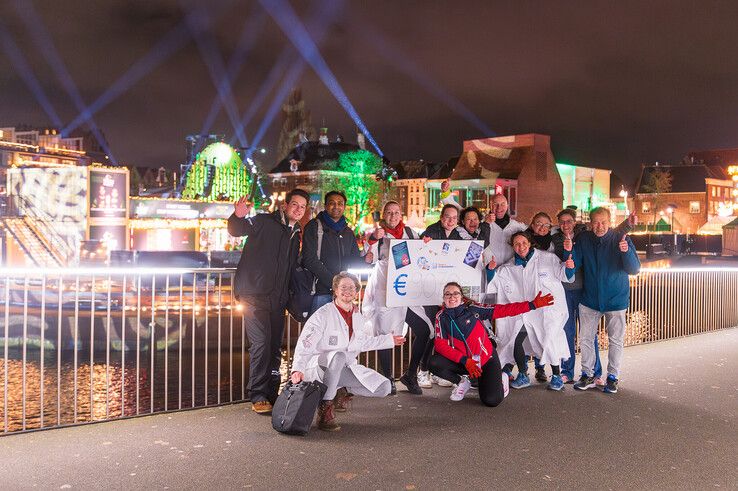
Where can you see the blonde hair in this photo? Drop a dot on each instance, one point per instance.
(340, 276)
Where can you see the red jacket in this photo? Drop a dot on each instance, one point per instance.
(461, 334)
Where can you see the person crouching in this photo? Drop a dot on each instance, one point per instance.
(463, 348)
(328, 348)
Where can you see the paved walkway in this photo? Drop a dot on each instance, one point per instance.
(672, 426)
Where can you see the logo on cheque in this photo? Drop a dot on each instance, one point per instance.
(400, 284)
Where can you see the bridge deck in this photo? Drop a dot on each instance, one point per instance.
(673, 425)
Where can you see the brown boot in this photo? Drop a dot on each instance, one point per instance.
(342, 400)
(326, 418)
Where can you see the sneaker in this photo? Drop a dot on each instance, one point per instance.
(521, 381)
(261, 407)
(599, 382)
(411, 382)
(424, 379)
(460, 389)
(393, 387)
(585, 383)
(541, 375)
(556, 383)
(567, 379)
(611, 387)
(509, 374)
(505, 384)
(441, 382)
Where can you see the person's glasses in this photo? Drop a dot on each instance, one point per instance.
(452, 295)
(347, 289)
(542, 225)
(565, 222)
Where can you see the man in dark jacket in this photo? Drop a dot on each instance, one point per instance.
(606, 258)
(261, 283)
(338, 251)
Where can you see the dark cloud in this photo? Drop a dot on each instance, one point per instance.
(613, 83)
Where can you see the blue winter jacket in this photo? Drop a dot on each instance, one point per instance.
(605, 269)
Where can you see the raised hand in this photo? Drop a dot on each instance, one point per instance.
(492, 264)
(623, 244)
(379, 233)
(543, 300)
(489, 217)
(445, 186)
(570, 262)
(369, 257)
(568, 243)
(242, 207)
(632, 219)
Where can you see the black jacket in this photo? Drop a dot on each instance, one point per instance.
(338, 252)
(268, 258)
(435, 231)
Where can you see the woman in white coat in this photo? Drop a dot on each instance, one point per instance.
(540, 333)
(392, 319)
(329, 345)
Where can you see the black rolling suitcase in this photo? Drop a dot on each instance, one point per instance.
(294, 409)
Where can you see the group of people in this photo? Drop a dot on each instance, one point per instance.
(544, 282)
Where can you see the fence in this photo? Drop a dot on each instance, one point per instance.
(86, 345)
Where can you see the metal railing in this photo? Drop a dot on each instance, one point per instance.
(84, 345)
(43, 227)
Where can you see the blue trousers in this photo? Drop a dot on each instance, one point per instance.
(570, 328)
(319, 301)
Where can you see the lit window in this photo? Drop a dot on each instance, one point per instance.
(646, 207)
(694, 206)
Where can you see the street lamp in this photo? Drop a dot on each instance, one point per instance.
(624, 195)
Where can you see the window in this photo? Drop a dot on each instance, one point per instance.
(694, 206)
(646, 207)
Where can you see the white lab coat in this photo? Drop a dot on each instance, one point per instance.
(325, 333)
(499, 241)
(545, 326)
(374, 306)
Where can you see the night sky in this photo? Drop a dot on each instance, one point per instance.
(615, 84)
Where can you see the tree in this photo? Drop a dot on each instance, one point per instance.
(657, 184)
(358, 180)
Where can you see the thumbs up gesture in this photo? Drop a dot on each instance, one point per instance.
(623, 244)
(492, 264)
(570, 262)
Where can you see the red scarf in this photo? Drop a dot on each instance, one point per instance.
(397, 231)
(348, 317)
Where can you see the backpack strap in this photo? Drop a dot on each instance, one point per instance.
(320, 245)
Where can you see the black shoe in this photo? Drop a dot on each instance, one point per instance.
(611, 386)
(585, 383)
(411, 382)
(541, 375)
(393, 388)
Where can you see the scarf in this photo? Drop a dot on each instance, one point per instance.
(542, 242)
(503, 222)
(523, 261)
(328, 222)
(395, 232)
(466, 235)
(348, 317)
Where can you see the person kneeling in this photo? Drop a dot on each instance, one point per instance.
(328, 347)
(463, 349)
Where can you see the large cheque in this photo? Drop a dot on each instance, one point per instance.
(418, 271)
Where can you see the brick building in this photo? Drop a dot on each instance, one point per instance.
(698, 193)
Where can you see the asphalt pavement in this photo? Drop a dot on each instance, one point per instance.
(672, 425)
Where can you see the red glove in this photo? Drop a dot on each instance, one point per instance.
(473, 368)
(543, 300)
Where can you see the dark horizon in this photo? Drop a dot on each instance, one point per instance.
(613, 85)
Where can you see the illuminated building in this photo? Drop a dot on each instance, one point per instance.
(697, 193)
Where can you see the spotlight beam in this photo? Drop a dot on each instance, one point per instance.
(26, 73)
(249, 35)
(213, 60)
(284, 15)
(320, 23)
(402, 62)
(319, 27)
(46, 46)
(173, 41)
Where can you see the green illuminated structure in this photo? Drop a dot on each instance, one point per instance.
(358, 180)
(584, 187)
(218, 174)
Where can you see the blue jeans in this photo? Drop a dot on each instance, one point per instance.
(319, 301)
(570, 328)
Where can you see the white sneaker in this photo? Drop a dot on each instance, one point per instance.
(505, 384)
(424, 379)
(441, 382)
(460, 390)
